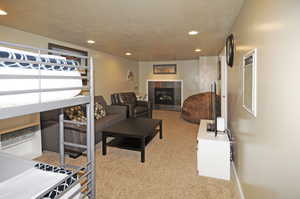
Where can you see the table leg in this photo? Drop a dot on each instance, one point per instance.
(143, 150)
(160, 130)
(103, 144)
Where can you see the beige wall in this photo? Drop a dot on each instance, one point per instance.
(110, 71)
(268, 146)
(208, 72)
(187, 70)
(111, 75)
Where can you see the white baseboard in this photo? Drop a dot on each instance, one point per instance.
(237, 182)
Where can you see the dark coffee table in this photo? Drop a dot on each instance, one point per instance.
(132, 134)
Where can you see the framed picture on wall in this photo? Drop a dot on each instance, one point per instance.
(164, 68)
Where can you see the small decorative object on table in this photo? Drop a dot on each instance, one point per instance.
(130, 75)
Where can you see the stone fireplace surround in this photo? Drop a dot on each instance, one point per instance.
(164, 89)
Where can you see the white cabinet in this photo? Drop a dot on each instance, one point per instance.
(213, 153)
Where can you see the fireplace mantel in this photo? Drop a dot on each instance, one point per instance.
(178, 92)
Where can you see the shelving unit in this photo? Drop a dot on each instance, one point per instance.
(19, 123)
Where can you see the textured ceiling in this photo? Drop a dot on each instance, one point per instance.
(150, 29)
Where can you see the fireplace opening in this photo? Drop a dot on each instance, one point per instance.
(164, 96)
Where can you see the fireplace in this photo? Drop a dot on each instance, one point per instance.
(165, 95)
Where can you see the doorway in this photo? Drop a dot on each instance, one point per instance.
(224, 87)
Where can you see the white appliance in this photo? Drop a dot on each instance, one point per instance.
(221, 124)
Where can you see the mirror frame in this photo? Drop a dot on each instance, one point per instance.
(253, 110)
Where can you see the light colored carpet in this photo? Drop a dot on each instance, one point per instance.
(168, 173)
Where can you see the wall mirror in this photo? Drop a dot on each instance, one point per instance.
(249, 82)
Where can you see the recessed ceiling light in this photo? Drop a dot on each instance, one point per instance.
(128, 53)
(197, 50)
(193, 32)
(2, 12)
(90, 41)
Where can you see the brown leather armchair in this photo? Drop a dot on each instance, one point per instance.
(135, 108)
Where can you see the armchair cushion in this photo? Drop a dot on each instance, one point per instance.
(111, 109)
(140, 109)
(142, 103)
(128, 98)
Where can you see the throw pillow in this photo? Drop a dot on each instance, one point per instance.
(100, 111)
(75, 113)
